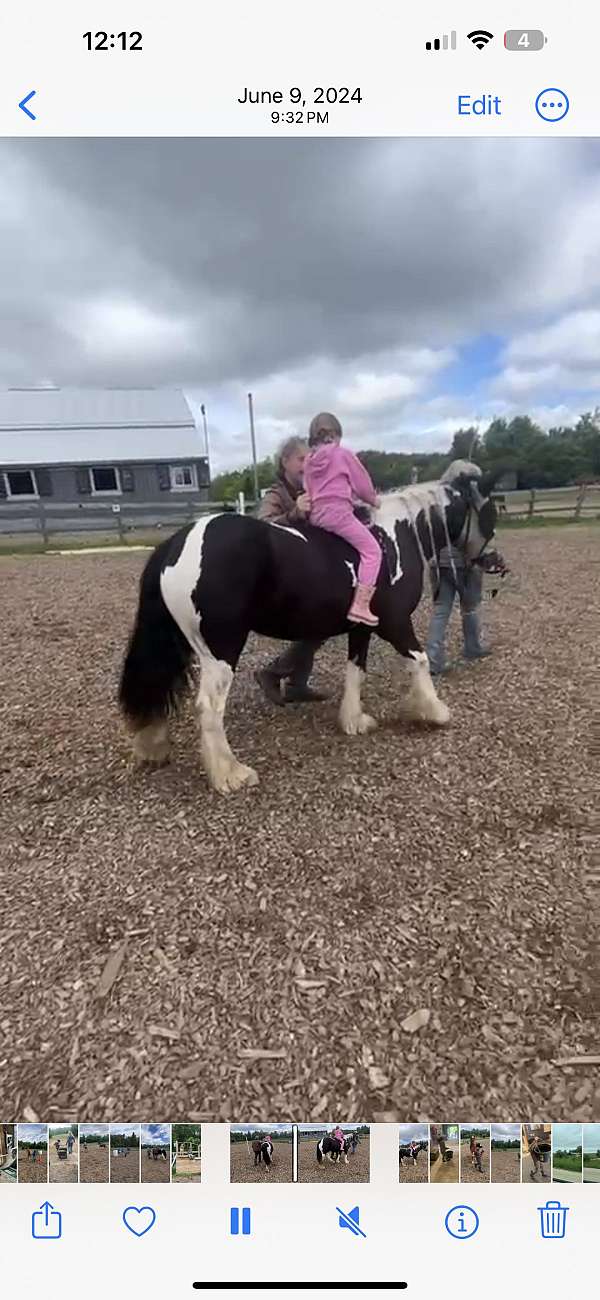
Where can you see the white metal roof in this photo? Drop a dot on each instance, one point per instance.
(58, 426)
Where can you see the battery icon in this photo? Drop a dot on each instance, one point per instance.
(522, 38)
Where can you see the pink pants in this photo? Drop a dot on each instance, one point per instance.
(336, 517)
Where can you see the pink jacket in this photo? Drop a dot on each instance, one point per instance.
(333, 473)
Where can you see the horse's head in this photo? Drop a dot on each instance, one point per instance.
(471, 514)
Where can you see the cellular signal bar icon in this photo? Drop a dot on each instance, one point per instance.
(442, 42)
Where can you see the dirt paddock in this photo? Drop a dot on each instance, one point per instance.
(187, 1170)
(243, 1169)
(411, 1173)
(155, 1171)
(125, 1169)
(33, 1171)
(310, 1171)
(451, 866)
(506, 1165)
(93, 1163)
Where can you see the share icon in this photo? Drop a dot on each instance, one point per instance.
(350, 1220)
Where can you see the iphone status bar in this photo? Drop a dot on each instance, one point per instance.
(340, 69)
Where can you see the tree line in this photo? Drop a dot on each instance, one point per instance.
(187, 1134)
(124, 1140)
(258, 1135)
(559, 457)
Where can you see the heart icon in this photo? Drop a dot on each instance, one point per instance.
(139, 1219)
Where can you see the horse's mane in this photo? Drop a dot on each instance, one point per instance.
(405, 505)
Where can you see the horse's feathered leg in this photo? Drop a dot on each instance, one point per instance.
(421, 703)
(224, 771)
(216, 625)
(351, 717)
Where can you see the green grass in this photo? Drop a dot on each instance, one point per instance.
(568, 1162)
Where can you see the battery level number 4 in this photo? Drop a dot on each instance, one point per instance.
(519, 38)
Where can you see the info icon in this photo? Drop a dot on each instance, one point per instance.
(462, 1222)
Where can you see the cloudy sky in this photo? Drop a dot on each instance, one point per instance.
(33, 1133)
(566, 1137)
(506, 1132)
(414, 1133)
(261, 1128)
(156, 1135)
(591, 1137)
(410, 285)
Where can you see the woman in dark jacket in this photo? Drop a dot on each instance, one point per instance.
(285, 502)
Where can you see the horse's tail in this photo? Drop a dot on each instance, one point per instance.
(157, 663)
(320, 1151)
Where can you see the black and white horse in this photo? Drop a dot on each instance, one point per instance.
(410, 1152)
(333, 1149)
(213, 582)
(263, 1151)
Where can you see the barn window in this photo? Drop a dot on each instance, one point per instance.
(105, 478)
(183, 478)
(20, 483)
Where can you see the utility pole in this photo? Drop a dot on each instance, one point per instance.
(205, 427)
(253, 440)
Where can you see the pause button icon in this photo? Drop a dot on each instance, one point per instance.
(246, 1227)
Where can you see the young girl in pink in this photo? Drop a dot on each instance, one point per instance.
(332, 474)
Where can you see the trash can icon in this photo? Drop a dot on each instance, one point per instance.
(553, 1218)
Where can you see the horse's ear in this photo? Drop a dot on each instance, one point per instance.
(488, 481)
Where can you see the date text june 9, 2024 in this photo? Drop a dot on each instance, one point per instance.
(299, 99)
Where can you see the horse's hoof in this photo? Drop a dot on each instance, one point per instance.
(160, 758)
(150, 745)
(235, 777)
(359, 726)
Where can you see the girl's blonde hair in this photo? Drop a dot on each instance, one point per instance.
(324, 427)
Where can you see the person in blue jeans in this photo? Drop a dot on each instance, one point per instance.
(459, 578)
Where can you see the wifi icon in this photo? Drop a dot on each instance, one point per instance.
(480, 38)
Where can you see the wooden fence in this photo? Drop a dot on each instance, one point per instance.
(43, 521)
(579, 502)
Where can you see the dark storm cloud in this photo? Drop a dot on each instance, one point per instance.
(233, 263)
(268, 253)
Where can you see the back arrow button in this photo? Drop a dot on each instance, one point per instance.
(24, 102)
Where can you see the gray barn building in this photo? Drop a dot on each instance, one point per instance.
(117, 447)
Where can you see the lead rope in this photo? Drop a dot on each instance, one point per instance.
(449, 545)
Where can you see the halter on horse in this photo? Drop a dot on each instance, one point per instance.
(213, 582)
